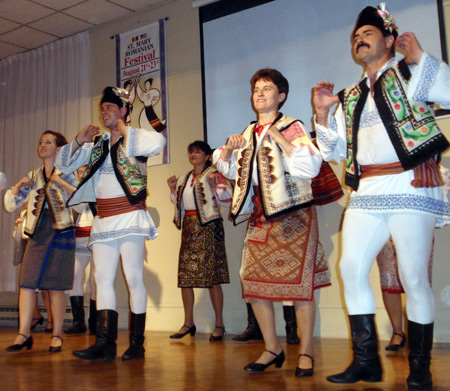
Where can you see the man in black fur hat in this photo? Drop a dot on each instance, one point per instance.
(116, 179)
(387, 133)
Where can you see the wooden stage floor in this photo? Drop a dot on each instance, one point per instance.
(193, 364)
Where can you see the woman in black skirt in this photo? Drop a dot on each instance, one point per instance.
(203, 260)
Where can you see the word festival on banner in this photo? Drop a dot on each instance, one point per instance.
(141, 69)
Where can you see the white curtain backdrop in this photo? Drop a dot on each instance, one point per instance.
(47, 88)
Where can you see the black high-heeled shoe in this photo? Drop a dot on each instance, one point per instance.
(28, 343)
(213, 338)
(191, 330)
(257, 367)
(300, 372)
(39, 322)
(56, 349)
(394, 346)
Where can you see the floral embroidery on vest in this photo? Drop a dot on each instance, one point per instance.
(410, 124)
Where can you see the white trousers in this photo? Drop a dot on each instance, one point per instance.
(363, 237)
(106, 258)
(82, 260)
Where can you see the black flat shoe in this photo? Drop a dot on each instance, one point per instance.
(213, 338)
(55, 349)
(394, 347)
(257, 367)
(28, 343)
(191, 330)
(37, 321)
(300, 372)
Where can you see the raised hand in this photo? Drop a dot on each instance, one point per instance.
(25, 181)
(87, 134)
(235, 141)
(172, 183)
(57, 179)
(409, 45)
(323, 99)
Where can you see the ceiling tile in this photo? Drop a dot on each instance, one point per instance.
(23, 11)
(53, 19)
(6, 25)
(7, 49)
(27, 38)
(97, 11)
(58, 4)
(137, 5)
(60, 25)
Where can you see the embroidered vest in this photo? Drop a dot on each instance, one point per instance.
(410, 125)
(205, 199)
(128, 169)
(55, 196)
(280, 192)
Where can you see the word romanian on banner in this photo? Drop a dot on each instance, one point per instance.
(141, 69)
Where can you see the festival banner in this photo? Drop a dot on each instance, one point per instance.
(141, 69)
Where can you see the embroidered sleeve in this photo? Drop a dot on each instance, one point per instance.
(223, 190)
(12, 202)
(66, 163)
(71, 179)
(226, 167)
(332, 139)
(430, 81)
(143, 142)
(305, 159)
(297, 134)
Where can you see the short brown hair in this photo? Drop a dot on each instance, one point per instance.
(275, 77)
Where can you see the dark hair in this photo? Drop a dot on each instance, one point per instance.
(275, 77)
(112, 95)
(59, 138)
(150, 80)
(202, 146)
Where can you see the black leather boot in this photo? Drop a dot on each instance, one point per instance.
(366, 364)
(78, 324)
(137, 329)
(252, 332)
(92, 316)
(420, 345)
(105, 344)
(291, 325)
